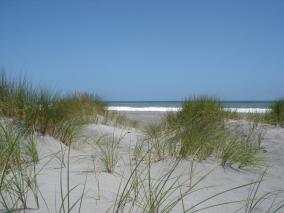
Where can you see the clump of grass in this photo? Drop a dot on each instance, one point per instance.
(239, 151)
(45, 111)
(66, 131)
(58, 115)
(198, 126)
(242, 145)
(16, 147)
(156, 142)
(138, 150)
(79, 105)
(13, 96)
(276, 115)
(18, 158)
(200, 130)
(109, 151)
(142, 192)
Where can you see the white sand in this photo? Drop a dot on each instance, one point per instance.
(101, 187)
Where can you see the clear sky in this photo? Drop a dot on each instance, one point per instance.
(147, 49)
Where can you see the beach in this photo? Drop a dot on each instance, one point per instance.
(141, 106)
(144, 118)
(99, 189)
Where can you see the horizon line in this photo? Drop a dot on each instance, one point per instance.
(183, 100)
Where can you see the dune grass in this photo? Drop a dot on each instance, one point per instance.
(239, 150)
(276, 115)
(198, 124)
(45, 111)
(18, 158)
(156, 142)
(169, 191)
(145, 190)
(109, 151)
(197, 127)
(66, 191)
(200, 130)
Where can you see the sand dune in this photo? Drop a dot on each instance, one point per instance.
(101, 188)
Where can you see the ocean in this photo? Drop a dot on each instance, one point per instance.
(165, 106)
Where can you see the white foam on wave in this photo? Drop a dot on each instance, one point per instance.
(248, 110)
(176, 109)
(144, 109)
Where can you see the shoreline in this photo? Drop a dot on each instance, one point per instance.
(176, 109)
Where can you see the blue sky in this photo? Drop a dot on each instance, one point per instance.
(147, 49)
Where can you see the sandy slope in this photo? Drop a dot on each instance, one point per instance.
(101, 187)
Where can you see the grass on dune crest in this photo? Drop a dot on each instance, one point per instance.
(198, 125)
(26, 110)
(196, 129)
(276, 116)
(45, 111)
(200, 130)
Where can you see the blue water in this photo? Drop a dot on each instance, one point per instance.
(228, 104)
